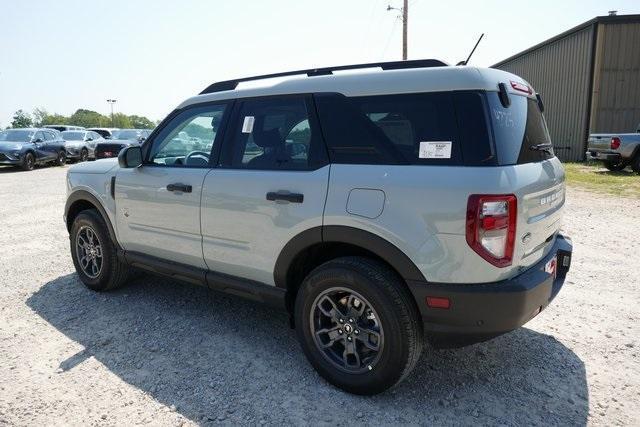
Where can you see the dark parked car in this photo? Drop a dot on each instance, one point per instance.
(119, 139)
(31, 146)
(81, 144)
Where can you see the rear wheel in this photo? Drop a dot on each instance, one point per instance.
(28, 162)
(615, 166)
(84, 155)
(94, 254)
(358, 325)
(61, 159)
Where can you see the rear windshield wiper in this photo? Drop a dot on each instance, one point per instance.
(547, 148)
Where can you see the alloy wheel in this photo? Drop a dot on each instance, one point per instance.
(346, 330)
(89, 251)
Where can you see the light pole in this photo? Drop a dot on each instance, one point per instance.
(404, 15)
(111, 102)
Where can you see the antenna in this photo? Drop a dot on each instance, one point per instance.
(472, 50)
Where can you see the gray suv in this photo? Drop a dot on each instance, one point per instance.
(378, 208)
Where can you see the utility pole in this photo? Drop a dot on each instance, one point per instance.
(404, 15)
(111, 102)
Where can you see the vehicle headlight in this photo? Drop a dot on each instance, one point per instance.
(16, 154)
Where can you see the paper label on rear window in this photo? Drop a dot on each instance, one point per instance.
(435, 150)
(247, 125)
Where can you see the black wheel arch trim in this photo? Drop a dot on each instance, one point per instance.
(349, 235)
(83, 195)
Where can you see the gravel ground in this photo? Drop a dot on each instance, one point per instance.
(165, 353)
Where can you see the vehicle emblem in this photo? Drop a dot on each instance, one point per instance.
(526, 237)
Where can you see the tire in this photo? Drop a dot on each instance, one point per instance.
(110, 273)
(388, 310)
(61, 160)
(635, 164)
(615, 166)
(28, 162)
(84, 155)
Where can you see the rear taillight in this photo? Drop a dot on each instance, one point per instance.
(491, 227)
(615, 143)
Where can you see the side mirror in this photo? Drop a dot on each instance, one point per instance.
(89, 139)
(141, 139)
(37, 140)
(130, 157)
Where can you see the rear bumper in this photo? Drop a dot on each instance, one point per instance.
(603, 156)
(482, 311)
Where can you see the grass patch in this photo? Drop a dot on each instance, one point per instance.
(596, 177)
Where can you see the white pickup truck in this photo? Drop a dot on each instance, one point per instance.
(616, 150)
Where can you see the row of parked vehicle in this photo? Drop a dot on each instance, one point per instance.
(57, 144)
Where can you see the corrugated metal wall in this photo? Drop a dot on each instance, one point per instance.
(616, 89)
(561, 72)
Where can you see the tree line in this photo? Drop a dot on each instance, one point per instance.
(86, 118)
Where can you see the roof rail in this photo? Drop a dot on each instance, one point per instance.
(311, 72)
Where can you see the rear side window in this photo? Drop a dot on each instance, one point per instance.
(407, 128)
(390, 129)
(518, 129)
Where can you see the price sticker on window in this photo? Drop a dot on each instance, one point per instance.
(435, 150)
(247, 125)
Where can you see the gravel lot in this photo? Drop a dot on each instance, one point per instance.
(165, 353)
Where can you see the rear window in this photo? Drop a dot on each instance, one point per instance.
(518, 129)
(440, 128)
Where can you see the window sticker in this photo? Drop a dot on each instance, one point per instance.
(435, 150)
(247, 125)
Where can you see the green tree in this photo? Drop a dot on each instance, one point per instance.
(55, 119)
(39, 114)
(121, 121)
(88, 118)
(21, 120)
(141, 122)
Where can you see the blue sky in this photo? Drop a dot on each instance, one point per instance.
(151, 54)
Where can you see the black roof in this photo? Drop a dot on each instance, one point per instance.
(615, 19)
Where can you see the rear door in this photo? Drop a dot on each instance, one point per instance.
(158, 204)
(270, 186)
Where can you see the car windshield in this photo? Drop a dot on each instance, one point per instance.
(16, 135)
(125, 134)
(73, 136)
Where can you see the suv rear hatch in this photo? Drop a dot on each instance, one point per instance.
(523, 143)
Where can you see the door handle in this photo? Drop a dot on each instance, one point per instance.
(288, 197)
(179, 187)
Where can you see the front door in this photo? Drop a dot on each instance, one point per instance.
(42, 148)
(158, 203)
(271, 185)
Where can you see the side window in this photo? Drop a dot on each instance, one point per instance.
(187, 140)
(274, 134)
(49, 136)
(390, 129)
(94, 136)
(39, 136)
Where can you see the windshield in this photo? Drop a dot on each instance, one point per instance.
(73, 136)
(125, 134)
(16, 135)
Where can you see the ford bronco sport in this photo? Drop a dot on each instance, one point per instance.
(378, 207)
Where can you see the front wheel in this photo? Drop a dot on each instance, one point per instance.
(84, 155)
(615, 166)
(94, 254)
(358, 325)
(28, 162)
(61, 158)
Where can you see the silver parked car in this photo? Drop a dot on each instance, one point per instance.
(81, 144)
(374, 207)
(615, 150)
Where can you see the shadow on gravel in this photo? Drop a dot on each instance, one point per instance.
(222, 359)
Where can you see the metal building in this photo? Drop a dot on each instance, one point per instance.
(589, 79)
